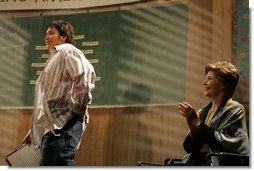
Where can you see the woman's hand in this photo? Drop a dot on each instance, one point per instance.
(186, 110)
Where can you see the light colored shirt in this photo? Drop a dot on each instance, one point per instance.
(209, 117)
(63, 87)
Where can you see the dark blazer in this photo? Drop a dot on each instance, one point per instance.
(227, 133)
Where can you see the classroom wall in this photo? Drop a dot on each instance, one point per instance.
(114, 137)
(121, 136)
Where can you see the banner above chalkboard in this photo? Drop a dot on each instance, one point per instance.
(56, 4)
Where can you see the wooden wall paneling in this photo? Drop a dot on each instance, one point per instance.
(123, 136)
(223, 31)
(131, 127)
(14, 126)
(198, 49)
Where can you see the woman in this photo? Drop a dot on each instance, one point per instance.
(220, 126)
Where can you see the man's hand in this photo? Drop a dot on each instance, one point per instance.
(27, 139)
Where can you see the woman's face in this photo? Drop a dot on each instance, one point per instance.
(213, 86)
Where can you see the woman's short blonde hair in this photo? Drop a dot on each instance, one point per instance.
(227, 73)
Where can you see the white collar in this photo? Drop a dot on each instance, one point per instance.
(61, 46)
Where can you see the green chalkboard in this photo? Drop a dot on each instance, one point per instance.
(139, 54)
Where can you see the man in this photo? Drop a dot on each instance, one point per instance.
(62, 94)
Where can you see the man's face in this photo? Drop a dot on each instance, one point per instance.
(53, 38)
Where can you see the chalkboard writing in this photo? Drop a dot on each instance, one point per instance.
(139, 54)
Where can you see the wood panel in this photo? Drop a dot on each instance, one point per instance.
(14, 125)
(123, 136)
(114, 137)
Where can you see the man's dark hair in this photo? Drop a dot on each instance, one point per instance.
(65, 29)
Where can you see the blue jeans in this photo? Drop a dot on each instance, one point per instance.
(60, 150)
